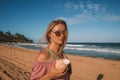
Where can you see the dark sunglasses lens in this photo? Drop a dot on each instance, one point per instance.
(65, 33)
(58, 33)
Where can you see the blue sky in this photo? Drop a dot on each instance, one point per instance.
(88, 20)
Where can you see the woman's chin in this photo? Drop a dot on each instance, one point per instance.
(60, 42)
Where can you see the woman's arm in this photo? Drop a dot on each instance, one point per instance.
(53, 73)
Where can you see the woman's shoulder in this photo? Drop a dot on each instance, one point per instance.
(43, 56)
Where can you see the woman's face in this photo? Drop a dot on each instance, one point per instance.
(58, 34)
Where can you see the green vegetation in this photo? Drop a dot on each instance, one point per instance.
(8, 37)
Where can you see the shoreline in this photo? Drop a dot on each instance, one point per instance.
(105, 53)
(16, 63)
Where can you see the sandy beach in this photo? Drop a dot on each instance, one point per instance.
(16, 64)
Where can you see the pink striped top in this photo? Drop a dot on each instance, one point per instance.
(41, 68)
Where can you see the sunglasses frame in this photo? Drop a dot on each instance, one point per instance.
(58, 33)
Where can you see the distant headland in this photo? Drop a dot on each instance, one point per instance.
(17, 37)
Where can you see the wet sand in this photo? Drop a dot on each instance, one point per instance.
(16, 64)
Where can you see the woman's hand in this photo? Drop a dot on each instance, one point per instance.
(55, 73)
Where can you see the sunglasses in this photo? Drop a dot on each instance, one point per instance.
(59, 33)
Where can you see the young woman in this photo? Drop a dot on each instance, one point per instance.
(44, 66)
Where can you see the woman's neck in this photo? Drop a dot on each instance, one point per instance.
(54, 47)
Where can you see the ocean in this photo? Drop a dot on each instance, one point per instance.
(96, 50)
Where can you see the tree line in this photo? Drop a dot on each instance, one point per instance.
(17, 37)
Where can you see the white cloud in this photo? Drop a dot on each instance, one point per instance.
(70, 21)
(83, 18)
(89, 12)
(78, 19)
(112, 17)
(94, 7)
(90, 7)
(71, 5)
(81, 6)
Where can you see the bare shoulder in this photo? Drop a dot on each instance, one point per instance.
(43, 56)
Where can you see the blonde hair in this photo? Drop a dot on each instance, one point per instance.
(49, 29)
